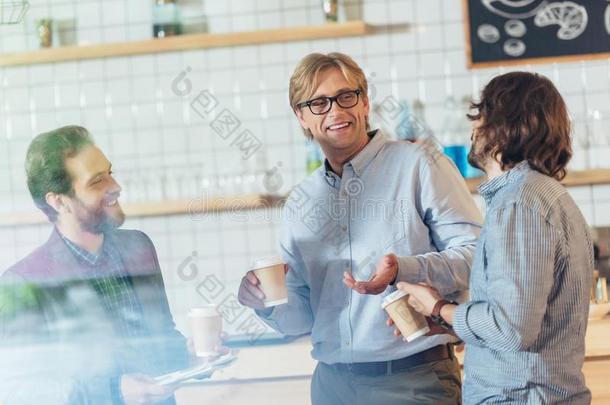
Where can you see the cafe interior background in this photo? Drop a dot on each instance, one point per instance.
(201, 136)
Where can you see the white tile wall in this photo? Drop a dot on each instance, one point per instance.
(141, 124)
(602, 213)
(601, 193)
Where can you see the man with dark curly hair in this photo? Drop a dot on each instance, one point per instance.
(525, 323)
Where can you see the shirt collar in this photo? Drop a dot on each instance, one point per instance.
(489, 188)
(359, 162)
(87, 256)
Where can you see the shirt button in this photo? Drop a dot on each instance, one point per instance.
(344, 228)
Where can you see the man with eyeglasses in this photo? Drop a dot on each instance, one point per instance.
(375, 200)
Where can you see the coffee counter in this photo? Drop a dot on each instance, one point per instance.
(283, 372)
(598, 339)
(597, 360)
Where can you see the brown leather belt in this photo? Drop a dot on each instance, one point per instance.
(379, 368)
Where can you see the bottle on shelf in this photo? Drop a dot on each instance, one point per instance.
(412, 124)
(455, 136)
(330, 10)
(166, 19)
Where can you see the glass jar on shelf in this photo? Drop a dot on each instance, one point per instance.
(331, 8)
(166, 19)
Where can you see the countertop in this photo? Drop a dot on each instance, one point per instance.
(286, 369)
(293, 359)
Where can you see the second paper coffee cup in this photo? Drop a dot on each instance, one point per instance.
(409, 322)
(206, 325)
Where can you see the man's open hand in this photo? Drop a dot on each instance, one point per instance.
(385, 273)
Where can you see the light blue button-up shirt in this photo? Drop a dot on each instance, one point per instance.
(393, 197)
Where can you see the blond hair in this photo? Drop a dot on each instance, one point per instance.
(304, 80)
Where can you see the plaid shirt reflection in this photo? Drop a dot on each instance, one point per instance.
(113, 286)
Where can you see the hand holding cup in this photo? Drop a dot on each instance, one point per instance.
(264, 285)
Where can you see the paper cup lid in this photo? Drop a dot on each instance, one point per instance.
(267, 262)
(209, 310)
(396, 295)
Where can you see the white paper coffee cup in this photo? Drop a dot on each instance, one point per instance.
(409, 322)
(206, 327)
(272, 278)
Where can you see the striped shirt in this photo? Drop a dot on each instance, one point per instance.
(525, 324)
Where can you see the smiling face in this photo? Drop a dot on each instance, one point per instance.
(94, 205)
(340, 131)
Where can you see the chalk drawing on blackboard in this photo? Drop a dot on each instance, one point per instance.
(514, 47)
(572, 18)
(607, 19)
(488, 33)
(515, 28)
(519, 9)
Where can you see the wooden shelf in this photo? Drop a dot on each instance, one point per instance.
(192, 207)
(185, 42)
(197, 207)
(573, 179)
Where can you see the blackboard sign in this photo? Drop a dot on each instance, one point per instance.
(504, 32)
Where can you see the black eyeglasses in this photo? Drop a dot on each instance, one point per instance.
(322, 105)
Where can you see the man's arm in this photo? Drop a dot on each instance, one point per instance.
(520, 250)
(454, 222)
(295, 317)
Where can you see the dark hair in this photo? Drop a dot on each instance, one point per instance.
(523, 117)
(45, 164)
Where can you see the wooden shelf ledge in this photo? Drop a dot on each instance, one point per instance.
(573, 179)
(185, 42)
(194, 207)
(197, 206)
